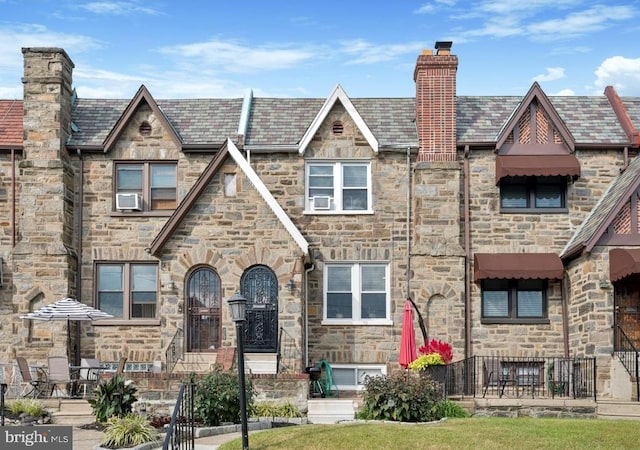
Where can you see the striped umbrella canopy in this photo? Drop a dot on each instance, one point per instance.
(67, 309)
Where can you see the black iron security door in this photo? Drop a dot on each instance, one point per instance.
(260, 287)
(203, 311)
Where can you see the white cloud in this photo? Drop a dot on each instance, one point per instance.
(565, 92)
(580, 23)
(117, 8)
(552, 74)
(363, 52)
(234, 57)
(621, 73)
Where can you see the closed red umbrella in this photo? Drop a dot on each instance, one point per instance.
(407, 337)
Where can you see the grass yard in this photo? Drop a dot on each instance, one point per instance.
(472, 433)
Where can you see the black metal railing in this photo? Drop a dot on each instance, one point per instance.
(3, 392)
(523, 377)
(181, 430)
(628, 356)
(288, 353)
(175, 350)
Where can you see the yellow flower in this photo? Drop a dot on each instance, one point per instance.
(430, 359)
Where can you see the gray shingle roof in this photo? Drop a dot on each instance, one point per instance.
(603, 212)
(197, 121)
(283, 121)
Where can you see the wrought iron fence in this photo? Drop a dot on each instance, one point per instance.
(181, 430)
(628, 356)
(3, 391)
(175, 350)
(522, 377)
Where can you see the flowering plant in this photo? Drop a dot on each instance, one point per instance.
(434, 353)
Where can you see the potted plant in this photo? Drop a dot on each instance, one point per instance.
(434, 356)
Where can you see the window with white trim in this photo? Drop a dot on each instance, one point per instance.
(343, 186)
(127, 290)
(349, 377)
(356, 293)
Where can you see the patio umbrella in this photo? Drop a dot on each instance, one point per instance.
(67, 309)
(407, 337)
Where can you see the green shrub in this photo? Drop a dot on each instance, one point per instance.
(276, 409)
(128, 431)
(447, 408)
(113, 397)
(29, 406)
(402, 397)
(217, 397)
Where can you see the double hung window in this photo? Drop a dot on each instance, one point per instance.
(338, 186)
(145, 186)
(357, 293)
(128, 290)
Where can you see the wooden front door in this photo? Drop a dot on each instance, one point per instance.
(627, 309)
(203, 310)
(259, 286)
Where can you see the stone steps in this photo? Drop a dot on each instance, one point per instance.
(618, 409)
(73, 412)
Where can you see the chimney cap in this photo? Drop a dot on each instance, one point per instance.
(444, 45)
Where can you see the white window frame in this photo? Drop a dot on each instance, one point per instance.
(361, 370)
(336, 201)
(355, 318)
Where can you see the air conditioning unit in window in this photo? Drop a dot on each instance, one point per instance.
(321, 202)
(128, 202)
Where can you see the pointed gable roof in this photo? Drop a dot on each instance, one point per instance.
(228, 149)
(337, 94)
(604, 212)
(536, 93)
(142, 96)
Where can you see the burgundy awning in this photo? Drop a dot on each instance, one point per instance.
(536, 166)
(543, 266)
(623, 262)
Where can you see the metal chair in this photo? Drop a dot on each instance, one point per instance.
(34, 387)
(58, 375)
(88, 375)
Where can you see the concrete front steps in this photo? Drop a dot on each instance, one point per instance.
(618, 409)
(331, 410)
(70, 411)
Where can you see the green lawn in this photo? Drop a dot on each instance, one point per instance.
(473, 433)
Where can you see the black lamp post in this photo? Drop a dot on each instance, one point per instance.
(238, 305)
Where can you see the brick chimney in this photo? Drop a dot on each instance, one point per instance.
(435, 77)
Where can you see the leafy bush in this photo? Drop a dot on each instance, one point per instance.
(273, 409)
(30, 406)
(128, 431)
(217, 397)
(402, 397)
(113, 397)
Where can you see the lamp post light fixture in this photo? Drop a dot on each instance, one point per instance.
(238, 305)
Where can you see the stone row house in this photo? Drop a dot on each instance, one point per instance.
(510, 221)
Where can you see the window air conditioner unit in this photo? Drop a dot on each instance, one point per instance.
(128, 201)
(321, 202)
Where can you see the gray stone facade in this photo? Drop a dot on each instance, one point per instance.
(418, 225)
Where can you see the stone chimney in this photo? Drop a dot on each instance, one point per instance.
(435, 77)
(44, 255)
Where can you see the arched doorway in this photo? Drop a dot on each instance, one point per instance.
(259, 286)
(204, 295)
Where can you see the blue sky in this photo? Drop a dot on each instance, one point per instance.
(296, 48)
